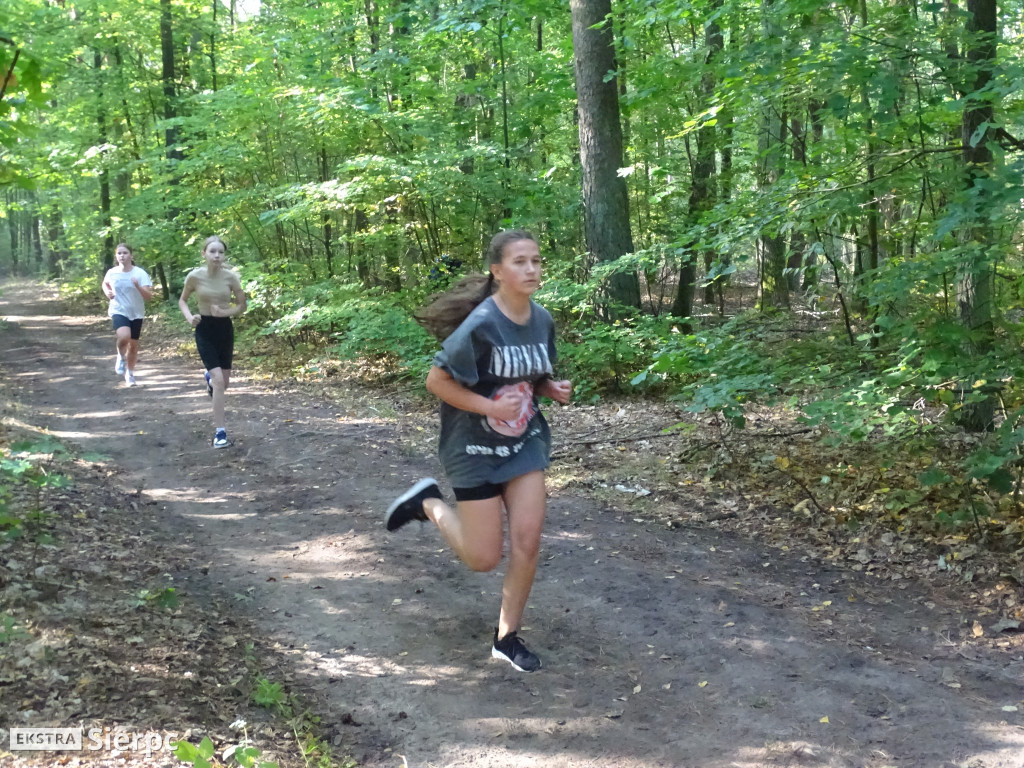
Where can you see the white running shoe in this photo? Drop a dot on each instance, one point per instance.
(129, 378)
(119, 366)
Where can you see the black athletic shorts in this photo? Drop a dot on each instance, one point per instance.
(215, 340)
(120, 321)
(479, 492)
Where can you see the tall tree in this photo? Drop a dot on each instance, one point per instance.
(976, 273)
(771, 160)
(167, 78)
(605, 200)
(702, 174)
(101, 129)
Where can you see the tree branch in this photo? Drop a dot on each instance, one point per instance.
(1002, 135)
(10, 73)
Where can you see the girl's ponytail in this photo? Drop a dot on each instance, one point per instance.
(445, 312)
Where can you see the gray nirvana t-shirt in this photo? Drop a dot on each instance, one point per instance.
(490, 355)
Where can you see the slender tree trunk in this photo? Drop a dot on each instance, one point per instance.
(774, 287)
(506, 194)
(37, 242)
(976, 274)
(161, 275)
(101, 129)
(12, 232)
(55, 238)
(812, 266)
(213, 47)
(771, 143)
(725, 175)
(605, 198)
(167, 77)
(361, 224)
(171, 150)
(796, 266)
(869, 265)
(702, 186)
(326, 223)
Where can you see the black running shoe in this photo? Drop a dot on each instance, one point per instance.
(409, 506)
(514, 651)
(209, 385)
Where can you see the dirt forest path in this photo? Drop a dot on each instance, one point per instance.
(680, 648)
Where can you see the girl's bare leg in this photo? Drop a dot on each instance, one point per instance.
(133, 354)
(526, 502)
(473, 530)
(124, 338)
(219, 379)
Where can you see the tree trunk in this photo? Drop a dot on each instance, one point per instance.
(161, 275)
(797, 265)
(12, 231)
(869, 267)
(213, 47)
(326, 219)
(774, 287)
(702, 186)
(167, 77)
(770, 144)
(37, 242)
(605, 199)
(55, 236)
(976, 273)
(812, 269)
(101, 129)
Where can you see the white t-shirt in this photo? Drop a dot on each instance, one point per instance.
(127, 300)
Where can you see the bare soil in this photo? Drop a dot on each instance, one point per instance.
(680, 646)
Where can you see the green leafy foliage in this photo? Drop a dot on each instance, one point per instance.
(199, 756)
(10, 631)
(28, 464)
(166, 597)
(354, 325)
(602, 357)
(270, 695)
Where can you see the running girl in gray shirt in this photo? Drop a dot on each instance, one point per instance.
(495, 443)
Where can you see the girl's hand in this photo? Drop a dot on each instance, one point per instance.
(216, 311)
(559, 391)
(508, 407)
(194, 320)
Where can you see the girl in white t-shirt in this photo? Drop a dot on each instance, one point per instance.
(128, 287)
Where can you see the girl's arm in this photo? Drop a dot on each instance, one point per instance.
(240, 300)
(441, 384)
(145, 290)
(191, 319)
(237, 295)
(559, 391)
(108, 289)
